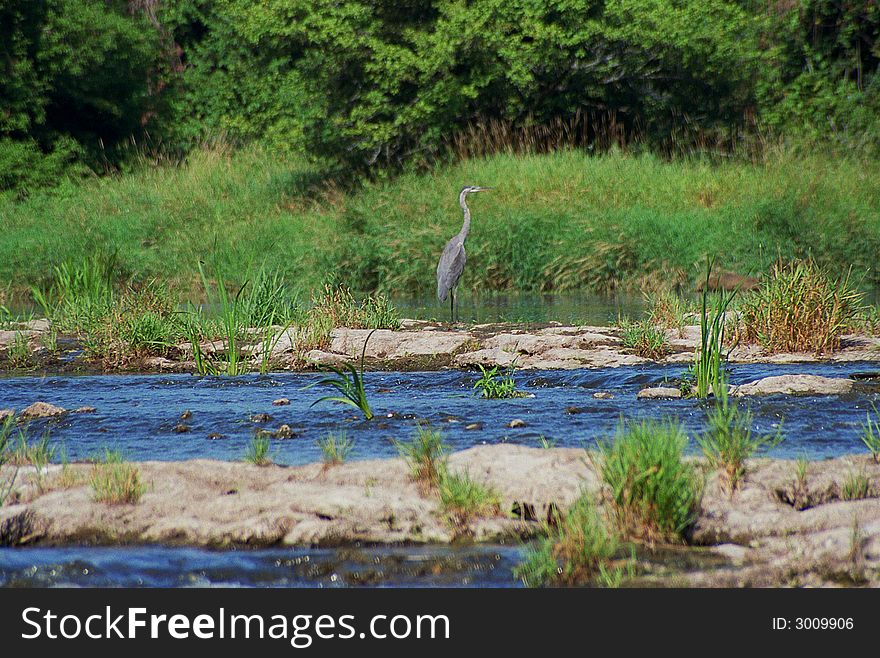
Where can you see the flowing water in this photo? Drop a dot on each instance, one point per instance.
(138, 415)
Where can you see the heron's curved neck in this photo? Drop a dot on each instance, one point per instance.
(467, 218)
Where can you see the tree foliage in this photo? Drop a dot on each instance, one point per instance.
(372, 85)
(76, 82)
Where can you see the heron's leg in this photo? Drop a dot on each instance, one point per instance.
(452, 306)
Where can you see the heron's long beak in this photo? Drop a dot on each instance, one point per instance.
(483, 189)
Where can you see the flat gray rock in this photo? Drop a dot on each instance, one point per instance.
(795, 385)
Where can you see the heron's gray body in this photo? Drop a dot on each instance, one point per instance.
(450, 267)
(453, 258)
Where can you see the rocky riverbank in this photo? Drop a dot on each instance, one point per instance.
(776, 530)
(422, 345)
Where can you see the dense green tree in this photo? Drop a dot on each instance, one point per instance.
(823, 78)
(387, 81)
(77, 79)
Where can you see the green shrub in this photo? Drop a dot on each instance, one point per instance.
(654, 491)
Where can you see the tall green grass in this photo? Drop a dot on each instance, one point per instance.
(707, 369)
(654, 491)
(561, 221)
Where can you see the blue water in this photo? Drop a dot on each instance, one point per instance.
(159, 566)
(138, 414)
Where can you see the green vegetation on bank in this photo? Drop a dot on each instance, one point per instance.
(562, 221)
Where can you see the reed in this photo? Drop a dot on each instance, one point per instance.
(707, 369)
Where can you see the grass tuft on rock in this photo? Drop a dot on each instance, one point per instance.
(462, 498)
(335, 448)
(729, 440)
(801, 307)
(654, 492)
(644, 338)
(257, 452)
(580, 549)
(857, 486)
(116, 482)
(425, 455)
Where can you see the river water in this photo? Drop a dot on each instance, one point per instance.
(137, 414)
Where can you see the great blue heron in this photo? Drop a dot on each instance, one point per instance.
(453, 258)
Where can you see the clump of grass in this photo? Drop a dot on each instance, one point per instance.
(666, 309)
(580, 549)
(349, 381)
(800, 498)
(654, 492)
(258, 450)
(338, 307)
(729, 441)
(115, 481)
(706, 370)
(645, 338)
(6, 429)
(800, 307)
(67, 478)
(462, 498)
(231, 323)
(871, 434)
(19, 352)
(425, 455)
(335, 449)
(81, 292)
(856, 486)
(23, 452)
(49, 340)
(497, 385)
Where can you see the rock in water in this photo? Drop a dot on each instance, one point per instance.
(795, 385)
(42, 410)
(659, 393)
(281, 402)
